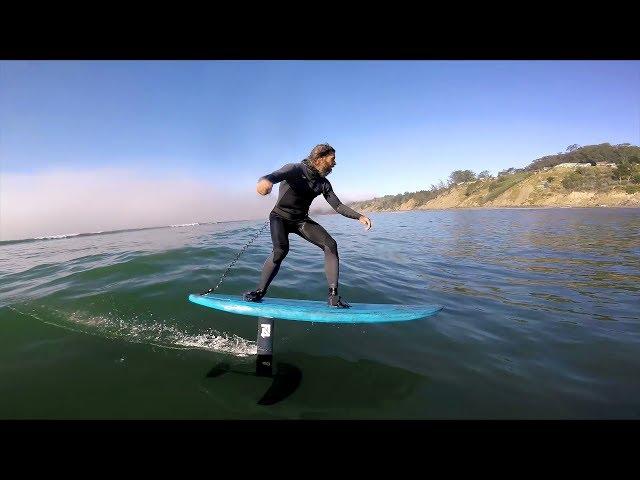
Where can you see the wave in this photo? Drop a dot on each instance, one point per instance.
(69, 235)
(101, 232)
(65, 235)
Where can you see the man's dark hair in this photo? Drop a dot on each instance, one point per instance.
(322, 150)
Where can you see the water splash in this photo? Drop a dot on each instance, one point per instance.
(133, 330)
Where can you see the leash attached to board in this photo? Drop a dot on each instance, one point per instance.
(213, 289)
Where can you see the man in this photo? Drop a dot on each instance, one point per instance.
(301, 183)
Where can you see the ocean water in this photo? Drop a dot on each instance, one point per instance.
(541, 321)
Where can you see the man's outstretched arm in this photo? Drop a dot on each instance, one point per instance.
(342, 209)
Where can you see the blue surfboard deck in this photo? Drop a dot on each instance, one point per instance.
(315, 311)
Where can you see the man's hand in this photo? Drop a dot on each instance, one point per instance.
(365, 221)
(264, 187)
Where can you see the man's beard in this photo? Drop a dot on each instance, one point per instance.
(324, 173)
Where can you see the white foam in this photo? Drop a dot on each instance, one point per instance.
(157, 334)
(51, 237)
(184, 225)
(220, 343)
(65, 235)
(164, 335)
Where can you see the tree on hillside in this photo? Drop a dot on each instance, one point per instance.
(438, 187)
(458, 176)
(483, 175)
(573, 147)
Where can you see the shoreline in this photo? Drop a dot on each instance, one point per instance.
(541, 207)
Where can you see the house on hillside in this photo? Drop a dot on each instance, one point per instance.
(570, 165)
(510, 171)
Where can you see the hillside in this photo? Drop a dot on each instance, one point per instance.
(603, 177)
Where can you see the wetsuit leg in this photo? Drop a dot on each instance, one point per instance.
(316, 234)
(280, 239)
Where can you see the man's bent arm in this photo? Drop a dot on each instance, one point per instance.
(281, 174)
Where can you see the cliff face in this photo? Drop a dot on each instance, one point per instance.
(567, 185)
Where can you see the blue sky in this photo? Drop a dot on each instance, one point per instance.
(396, 125)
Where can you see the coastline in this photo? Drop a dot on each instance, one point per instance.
(528, 207)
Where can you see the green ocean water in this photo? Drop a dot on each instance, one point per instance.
(541, 321)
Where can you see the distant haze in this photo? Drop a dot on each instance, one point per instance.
(63, 202)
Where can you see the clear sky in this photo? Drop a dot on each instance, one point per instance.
(99, 145)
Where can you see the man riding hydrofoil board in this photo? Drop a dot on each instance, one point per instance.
(300, 183)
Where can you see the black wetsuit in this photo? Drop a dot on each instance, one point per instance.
(300, 184)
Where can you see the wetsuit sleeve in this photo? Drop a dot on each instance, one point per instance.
(336, 204)
(282, 174)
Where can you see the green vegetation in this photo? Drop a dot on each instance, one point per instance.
(473, 187)
(627, 170)
(586, 178)
(500, 185)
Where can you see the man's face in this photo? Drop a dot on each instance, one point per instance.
(326, 164)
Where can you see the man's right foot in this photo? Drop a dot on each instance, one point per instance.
(254, 295)
(335, 300)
